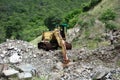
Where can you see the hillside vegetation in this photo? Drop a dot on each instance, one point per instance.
(24, 19)
(71, 18)
(97, 23)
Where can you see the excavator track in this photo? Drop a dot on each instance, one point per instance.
(45, 45)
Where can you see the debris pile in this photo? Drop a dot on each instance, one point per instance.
(12, 56)
(20, 60)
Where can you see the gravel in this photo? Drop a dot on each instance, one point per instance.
(85, 64)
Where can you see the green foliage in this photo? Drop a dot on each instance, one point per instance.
(22, 19)
(111, 26)
(31, 34)
(94, 2)
(72, 22)
(108, 14)
(86, 7)
(98, 39)
(72, 14)
(89, 22)
(72, 17)
(2, 34)
(51, 22)
(90, 5)
(13, 27)
(118, 62)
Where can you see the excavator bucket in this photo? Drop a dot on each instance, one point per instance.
(45, 45)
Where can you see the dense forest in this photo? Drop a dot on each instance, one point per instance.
(24, 19)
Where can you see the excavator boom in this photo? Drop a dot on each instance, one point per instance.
(61, 43)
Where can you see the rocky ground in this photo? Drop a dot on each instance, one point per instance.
(22, 59)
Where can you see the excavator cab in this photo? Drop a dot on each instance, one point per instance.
(63, 30)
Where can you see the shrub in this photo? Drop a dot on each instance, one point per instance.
(2, 34)
(94, 2)
(90, 5)
(86, 23)
(72, 22)
(111, 26)
(52, 21)
(108, 15)
(72, 14)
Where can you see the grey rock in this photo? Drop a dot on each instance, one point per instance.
(2, 55)
(1, 69)
(10, 72)
(100, 75)
(24, 75)
(15, 58)
(55, 76)
(26, 68)
(84, 67)
(10, 48)
(108, 79)
(72, 33)
(109, 75)
(4, 52)
(30, 47)
(80, 70)
(59, 66)
(34, 55)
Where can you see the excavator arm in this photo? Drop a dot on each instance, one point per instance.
(61, 43)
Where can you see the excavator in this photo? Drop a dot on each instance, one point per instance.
(55, 39)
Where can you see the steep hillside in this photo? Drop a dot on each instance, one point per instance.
(95, 54)
(95, 25)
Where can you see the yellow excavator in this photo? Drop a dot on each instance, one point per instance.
(51, 40)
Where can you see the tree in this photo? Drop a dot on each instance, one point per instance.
(51, 22)
(2, 34)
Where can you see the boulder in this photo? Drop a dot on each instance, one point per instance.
(27, 68)
(15, 58)
(59, 66)
(25, 75)
(10, 72)
(1, 69)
